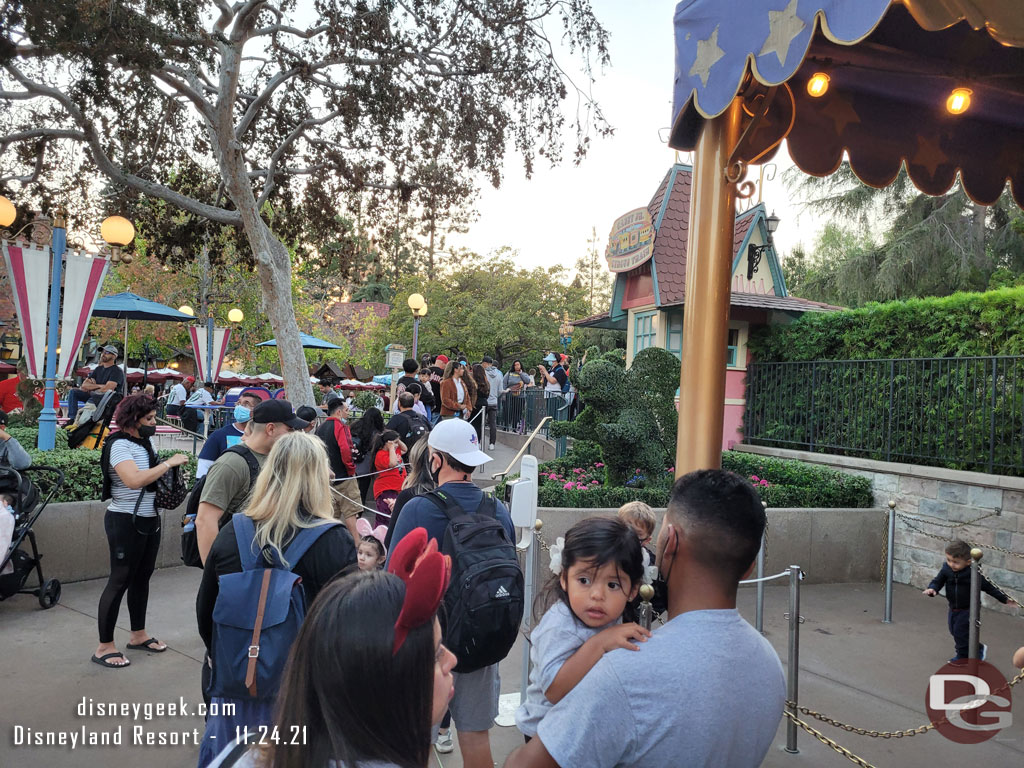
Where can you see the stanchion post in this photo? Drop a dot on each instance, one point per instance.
(792, 673)
(975, 613)
(524, 515)
(759, 608)
(887, 618)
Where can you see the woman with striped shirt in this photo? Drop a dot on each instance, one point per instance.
(132, 523)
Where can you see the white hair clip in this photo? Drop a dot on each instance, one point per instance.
(556, 555)
(650, 569)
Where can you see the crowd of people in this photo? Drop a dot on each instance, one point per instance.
(415, 595)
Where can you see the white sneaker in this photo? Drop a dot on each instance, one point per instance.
(444, 743)
(491, 447)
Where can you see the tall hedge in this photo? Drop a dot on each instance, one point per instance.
(961, 325)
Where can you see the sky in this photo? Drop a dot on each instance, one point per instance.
(548, 218)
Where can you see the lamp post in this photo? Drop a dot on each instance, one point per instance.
(755, 252)
(117, 231)
(565, 333)
(418, 305)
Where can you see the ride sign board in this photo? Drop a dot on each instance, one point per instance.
(395, 355)
(631, 241)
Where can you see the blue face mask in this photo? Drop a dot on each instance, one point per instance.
(242, 413)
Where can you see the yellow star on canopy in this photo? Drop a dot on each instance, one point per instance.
(783, 27)
(708, 54)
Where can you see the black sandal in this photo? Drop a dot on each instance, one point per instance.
(146, 646)
(102, 660)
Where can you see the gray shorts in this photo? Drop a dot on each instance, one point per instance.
(475, 704)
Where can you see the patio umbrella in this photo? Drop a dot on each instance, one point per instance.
(308, 342)
(931, 85)
(128, 306)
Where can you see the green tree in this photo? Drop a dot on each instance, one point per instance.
(905, 243)
(275, 98)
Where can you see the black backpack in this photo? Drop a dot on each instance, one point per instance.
(189, 542)
(485, 599)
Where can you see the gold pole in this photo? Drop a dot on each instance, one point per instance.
(709, 253)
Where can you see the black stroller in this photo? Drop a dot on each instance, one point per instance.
(28, 505)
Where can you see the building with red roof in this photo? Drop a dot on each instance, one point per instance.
(648, 297)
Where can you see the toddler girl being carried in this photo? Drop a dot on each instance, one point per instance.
(598, 569)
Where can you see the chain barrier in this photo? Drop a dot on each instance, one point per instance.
(828, 742)
(883, 565)
(921, 729)
(912, 526)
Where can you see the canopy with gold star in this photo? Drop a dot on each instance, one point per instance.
(935, 84)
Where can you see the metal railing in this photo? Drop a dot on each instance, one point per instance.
(960, 413)
(527, 411)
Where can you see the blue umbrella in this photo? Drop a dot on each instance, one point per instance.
(128, 306)
(308, 342)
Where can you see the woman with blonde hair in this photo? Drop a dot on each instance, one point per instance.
(291, 494)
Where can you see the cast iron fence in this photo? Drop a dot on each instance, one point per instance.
(522, 412)
(960, 413)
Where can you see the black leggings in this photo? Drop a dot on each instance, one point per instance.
(132, 560)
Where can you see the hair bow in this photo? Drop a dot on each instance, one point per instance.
(425, 572)
(364, 529)
(556, 555)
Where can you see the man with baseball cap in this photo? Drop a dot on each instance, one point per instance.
(230, 477)
(105, 377)
(454, 455)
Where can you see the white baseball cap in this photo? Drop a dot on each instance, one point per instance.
(458, 439)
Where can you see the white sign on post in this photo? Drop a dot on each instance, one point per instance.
(395, 356)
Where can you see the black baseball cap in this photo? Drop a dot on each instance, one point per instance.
(487, 359)
(277, 411)
(306, 413)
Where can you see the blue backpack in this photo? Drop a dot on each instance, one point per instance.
(257, 615)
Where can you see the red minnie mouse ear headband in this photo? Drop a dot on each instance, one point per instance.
(425, 572)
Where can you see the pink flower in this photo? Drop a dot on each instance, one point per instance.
(594, 482)
(754, 478)
(577, 470)
(581, 487)
(567, 486)
(599, 464)
(764, 483)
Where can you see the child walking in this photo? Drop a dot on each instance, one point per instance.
(388, 450)
(955, 576)
(598, 568)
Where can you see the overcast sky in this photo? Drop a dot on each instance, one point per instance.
(549, 218)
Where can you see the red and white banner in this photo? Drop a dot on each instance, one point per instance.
(28, 268)
(83, 279)
(220, 348)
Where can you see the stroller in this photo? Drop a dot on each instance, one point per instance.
(93, 431)
(28, 505)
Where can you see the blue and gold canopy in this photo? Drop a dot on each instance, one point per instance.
(891, 65)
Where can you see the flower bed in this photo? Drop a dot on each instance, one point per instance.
(578, 480)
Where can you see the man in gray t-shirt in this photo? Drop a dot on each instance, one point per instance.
(706, 689)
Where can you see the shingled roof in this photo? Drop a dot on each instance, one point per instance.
(672, 224)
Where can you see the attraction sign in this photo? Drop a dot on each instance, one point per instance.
(631, 241)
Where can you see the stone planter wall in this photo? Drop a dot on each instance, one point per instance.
(829, 544)
(991, 507)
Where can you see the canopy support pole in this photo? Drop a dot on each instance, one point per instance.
(124, 366)
(709, 253)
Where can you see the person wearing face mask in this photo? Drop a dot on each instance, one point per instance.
(337, 439)
(230, 434)
(132, 524)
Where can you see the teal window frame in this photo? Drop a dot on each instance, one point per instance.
(674, 334)
(733, 348)
(645, 330)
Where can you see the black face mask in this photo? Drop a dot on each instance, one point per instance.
(147, 430)
(436, 473)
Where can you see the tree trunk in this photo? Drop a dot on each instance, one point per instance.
(273, 265)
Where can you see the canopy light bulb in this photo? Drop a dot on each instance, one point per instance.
(187, 310)
(235, 315)
(959, 101)
(818, 84)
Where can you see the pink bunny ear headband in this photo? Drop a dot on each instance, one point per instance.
(363, 529)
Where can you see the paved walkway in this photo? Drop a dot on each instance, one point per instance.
(852, 667)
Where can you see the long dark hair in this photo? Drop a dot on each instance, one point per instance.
(383, 438)
(598, 540)
(483, 386)
(358, 703)
(366, 426)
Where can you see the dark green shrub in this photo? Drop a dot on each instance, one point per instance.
(29, 436)
(83, 478)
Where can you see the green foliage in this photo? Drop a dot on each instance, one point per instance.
(793, 484)
(630, 413)
(365, 400)
(83, 478)
(964, 324)
(799, 484)
(29, 436)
